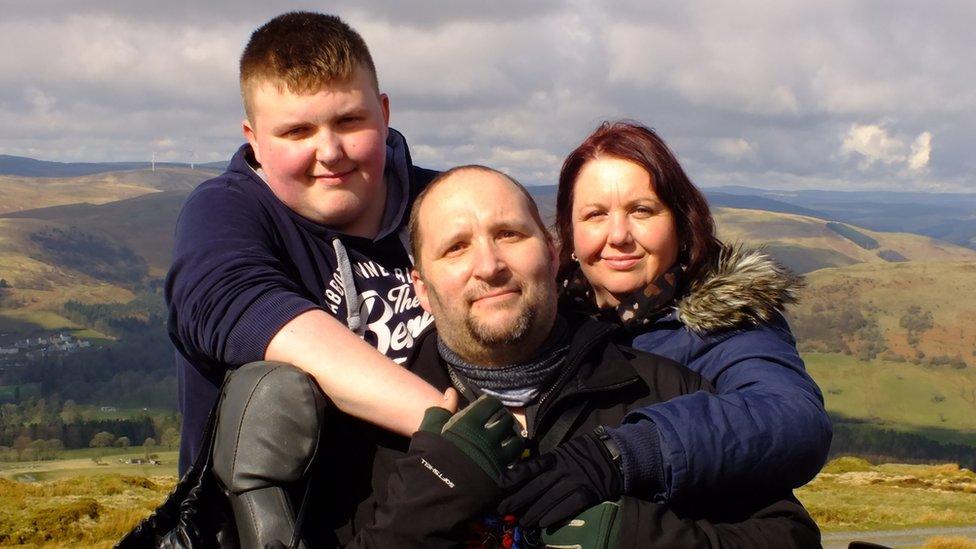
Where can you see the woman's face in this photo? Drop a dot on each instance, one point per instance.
(623, 235)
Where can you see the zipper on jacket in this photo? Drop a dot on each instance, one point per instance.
(570, 368)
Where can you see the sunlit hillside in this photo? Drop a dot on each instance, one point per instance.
(24, 193)
(920, 312)
(808, 243)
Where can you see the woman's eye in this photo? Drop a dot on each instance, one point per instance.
(507, 235)
(592, 215)
(643, 211)
(454, 248)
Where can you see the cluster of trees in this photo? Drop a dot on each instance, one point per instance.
(145, 313)
(853, 235)
(39, 429)
(875, 442)
(839, 329)
(916, 321)
(135, 371)
(844, 328)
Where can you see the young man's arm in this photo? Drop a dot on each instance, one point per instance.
(232, 301)
(360, 381)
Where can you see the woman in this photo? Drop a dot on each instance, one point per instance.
(639, 249)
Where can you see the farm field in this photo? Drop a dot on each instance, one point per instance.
(80, 463)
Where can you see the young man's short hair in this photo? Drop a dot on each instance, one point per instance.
(413, 225)
(303, 51)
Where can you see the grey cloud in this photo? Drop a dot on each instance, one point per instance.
(747, 92)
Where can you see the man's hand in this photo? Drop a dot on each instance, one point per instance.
(449, 476)
(484, 431)
(559, 484)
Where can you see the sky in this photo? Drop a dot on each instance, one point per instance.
(834, 95)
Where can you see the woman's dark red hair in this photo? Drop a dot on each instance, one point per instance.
(642, 146)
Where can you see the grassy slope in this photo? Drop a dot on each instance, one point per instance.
(936, 402)
(144, 224)
(884, 293)
(39, 289)
(22, 193)
(798, 233)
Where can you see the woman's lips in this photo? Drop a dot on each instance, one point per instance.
(621, 263)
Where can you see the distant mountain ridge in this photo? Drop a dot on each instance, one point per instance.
(30, 167)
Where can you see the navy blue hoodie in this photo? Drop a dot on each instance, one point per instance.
(245, 265)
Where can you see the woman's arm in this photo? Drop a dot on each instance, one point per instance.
(765, 427)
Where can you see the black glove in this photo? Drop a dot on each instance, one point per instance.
(559, 484)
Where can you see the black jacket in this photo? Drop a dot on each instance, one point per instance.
(601, 382)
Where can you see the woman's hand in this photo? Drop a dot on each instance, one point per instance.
(560, 484)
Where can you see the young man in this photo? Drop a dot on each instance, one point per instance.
(297, 252)
(486, 270)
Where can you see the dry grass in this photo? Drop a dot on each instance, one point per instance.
(783, 229)
(82, 511)
(949, 543)
(852, 494)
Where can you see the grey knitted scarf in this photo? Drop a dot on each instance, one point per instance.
(516, 385)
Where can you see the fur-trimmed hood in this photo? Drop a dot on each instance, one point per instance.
(745, 287)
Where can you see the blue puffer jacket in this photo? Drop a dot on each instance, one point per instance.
(766, 426)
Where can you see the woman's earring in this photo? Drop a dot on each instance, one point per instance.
(573, 257)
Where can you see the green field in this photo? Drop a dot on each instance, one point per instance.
(94, 412)
(79, 463)
(936, 402)
(8, 392)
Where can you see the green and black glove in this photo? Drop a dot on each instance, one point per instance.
(484, 431)
(595, 528)
(449, 476)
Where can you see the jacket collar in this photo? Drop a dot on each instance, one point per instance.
(745, 287)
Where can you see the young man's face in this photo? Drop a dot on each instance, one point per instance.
(324, 153)
(486, 270)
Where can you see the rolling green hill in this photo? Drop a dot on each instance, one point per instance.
(89, 239)
(893, 347)
(808, 243)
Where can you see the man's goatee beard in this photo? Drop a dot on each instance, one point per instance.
(487, 337)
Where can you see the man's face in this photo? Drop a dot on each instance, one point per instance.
(486, 270)
(324, 153)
